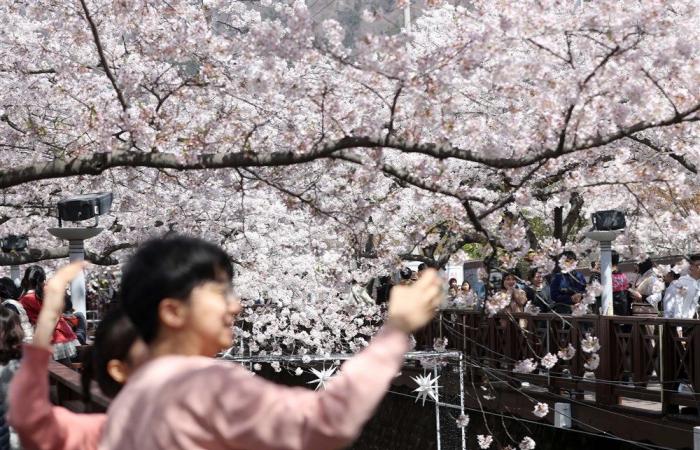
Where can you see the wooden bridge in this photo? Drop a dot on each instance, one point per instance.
(646, 387)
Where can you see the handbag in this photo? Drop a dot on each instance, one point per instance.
(644, 309)
(608, 220)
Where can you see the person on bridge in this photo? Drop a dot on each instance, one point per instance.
(568, 284)
(649, 287)
(538, 291)
(177, 292)
(620, 286)
(8, 296)
(63, 339)
(681, 298)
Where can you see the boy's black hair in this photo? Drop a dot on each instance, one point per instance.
(169, 267)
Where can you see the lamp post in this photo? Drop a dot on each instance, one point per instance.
(76, 209)
(607, 226)
(15, 243)
(407, 16)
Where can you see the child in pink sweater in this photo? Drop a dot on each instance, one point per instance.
(177, 293)
(117, 351)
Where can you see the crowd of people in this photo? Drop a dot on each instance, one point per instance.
(650, 291)
(153, 352)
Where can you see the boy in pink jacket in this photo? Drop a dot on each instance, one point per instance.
(177, 293)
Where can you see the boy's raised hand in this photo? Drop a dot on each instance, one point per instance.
(53, 302)
(412, 307)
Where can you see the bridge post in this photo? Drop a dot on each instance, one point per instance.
(562, 415)
(696, 438)
(667, 357)
(604, 394)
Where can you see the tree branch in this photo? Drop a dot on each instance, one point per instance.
(34, 255)
(103, 59)
(390, 131)
(99, 162)
(663, 92)
(678, 158)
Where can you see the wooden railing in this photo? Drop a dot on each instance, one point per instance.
(66, 390)
(649, 359)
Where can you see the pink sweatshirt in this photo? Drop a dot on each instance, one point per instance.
(192, 403)
(40, 425)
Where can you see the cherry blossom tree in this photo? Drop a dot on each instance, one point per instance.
(317, 164)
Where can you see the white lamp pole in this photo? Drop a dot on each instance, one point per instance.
(407, 16)
(15, 274)
(605, 238)
(76, 251)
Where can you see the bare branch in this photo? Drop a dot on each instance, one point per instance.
(103, 59)
(671, 154)
(602, 63)
(548, 50)
(390, 131)
(406, 177)
(97, 163)
(658, 86)
(34, 255)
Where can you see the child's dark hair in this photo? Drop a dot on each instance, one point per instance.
(11, 335)
(169, 267)
(569, 254)
(114, 337)
(533, 273)
(645, 266)
(505, 275)
(8, 290)
(67, 303)
(615, 258)
(34, 278)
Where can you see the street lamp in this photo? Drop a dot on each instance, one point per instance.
(78, 209)
(607, 226)
(13, 244)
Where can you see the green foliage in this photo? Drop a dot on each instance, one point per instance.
(475, 251)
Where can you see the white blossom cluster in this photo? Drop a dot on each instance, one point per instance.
(591, 346)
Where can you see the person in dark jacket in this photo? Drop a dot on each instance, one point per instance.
(538, 291)
(383, 289)
(76, 320)
(568, 284)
